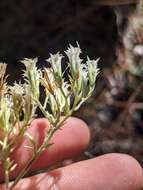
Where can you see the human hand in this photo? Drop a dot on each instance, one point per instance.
(107, 172)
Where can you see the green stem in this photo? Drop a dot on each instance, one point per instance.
(6, 180)
(43, 111)
(18, 137)
(38, 153)
(24, 170)
(66, 97)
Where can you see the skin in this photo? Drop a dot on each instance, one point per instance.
(107, 172)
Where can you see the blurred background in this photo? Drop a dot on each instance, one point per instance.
(109, 29)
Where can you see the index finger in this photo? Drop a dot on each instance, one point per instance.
(107, 172)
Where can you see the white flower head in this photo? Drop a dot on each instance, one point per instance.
(17, 89)
(55, 62)
(73, 54)
(29, 63)
(92, 70)
(32, 75)
(29, 105)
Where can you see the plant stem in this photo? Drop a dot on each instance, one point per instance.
(38, 153)
(24, 170)
(6, 180)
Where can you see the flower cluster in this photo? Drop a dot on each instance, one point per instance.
(18, 102)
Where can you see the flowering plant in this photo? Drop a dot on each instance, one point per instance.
(18, 103)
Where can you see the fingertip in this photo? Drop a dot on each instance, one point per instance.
(125, 170)
(130, 169)
(111, 171)
(80, 129)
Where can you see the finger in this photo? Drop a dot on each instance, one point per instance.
(110, 172)
(70, 141)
